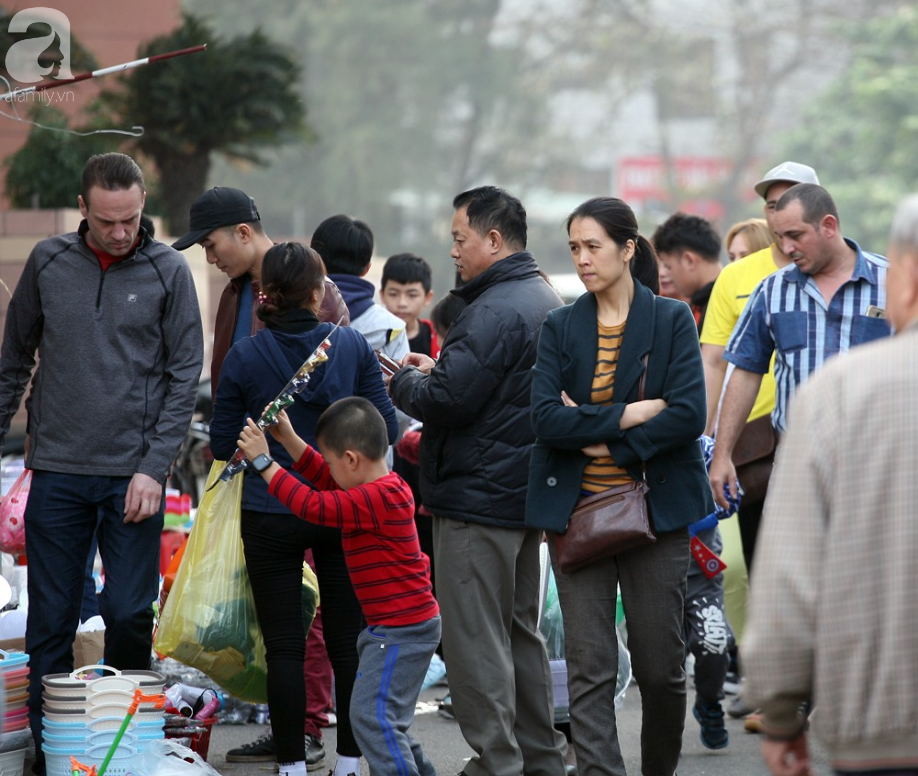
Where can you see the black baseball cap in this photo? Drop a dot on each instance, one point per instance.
(221, 206)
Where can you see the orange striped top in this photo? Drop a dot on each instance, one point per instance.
(602, 473)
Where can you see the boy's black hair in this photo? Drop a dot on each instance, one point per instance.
(407, 268)
(683, 232)
(445, 311)
(345, 245)
(353, 423)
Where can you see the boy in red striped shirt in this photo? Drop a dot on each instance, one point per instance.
(352, 489)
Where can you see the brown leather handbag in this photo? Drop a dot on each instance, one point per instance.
(607, 523)
(754, 457)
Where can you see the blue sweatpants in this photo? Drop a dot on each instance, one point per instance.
(393, 663)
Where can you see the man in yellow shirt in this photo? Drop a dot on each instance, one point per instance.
(732, 290)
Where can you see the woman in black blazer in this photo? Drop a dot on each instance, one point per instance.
(593, 434)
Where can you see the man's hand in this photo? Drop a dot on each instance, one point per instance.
(252, 440)
(143, 499)
(722, 472)
(787, 758)
(419, 360)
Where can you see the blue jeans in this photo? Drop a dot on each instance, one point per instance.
(61, 518)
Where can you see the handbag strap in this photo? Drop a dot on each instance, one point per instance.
(642, 384)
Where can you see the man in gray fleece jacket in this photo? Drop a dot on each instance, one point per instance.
(115, 317)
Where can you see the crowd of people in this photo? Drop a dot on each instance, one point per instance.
(508, 407)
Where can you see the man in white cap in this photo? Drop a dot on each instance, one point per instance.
(731, 292)
(735, 285)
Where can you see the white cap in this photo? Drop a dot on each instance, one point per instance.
(786, 172)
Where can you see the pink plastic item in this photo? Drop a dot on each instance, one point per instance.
(12, 515)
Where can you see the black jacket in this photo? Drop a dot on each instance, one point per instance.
(668, 444)
(474, 453)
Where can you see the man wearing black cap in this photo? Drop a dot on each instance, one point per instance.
(226, 223)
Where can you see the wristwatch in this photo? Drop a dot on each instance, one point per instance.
(261, 462)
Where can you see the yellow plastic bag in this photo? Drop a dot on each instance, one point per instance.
(209, 619)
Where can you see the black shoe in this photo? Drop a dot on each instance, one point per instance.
(711, 718)
(445, 708)
(315, 753)
(261, 750)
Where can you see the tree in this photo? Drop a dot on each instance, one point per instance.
(861, 134)
(47, 171)
(236, 99)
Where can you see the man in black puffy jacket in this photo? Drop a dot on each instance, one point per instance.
(474, 460)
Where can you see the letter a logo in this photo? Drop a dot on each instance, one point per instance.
(22, 59)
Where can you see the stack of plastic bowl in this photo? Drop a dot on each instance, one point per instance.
(84, 710)
(14, 690)
(14, 669)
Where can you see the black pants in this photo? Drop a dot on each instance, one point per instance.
(750, 516)
(274, 547)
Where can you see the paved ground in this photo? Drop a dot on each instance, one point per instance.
(448, 751)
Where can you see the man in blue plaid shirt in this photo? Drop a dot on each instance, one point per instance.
(830, 299)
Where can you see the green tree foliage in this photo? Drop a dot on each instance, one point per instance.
(412, 101)
(239, 99)
(47, 170)
(861, 134)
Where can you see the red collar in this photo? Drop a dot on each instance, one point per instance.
(106, 259)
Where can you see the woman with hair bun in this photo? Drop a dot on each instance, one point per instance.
(595, 434)
(255, 371)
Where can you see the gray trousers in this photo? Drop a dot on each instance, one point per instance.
(707, 632)
(499, 677)
(393, 663)
(652, 581)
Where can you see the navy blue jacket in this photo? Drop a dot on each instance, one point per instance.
(257, 368)
(668, 444)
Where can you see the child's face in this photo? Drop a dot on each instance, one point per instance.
(344, 468)
(406, 300)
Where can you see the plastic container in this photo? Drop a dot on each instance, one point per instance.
(105, 723)
(57, 761)
(88, 739)
(11, 763)
(13, 660)
(72, 685)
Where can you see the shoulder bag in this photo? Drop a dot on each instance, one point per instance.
(754, 457)
(607, 523)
